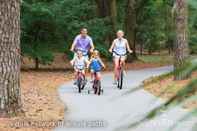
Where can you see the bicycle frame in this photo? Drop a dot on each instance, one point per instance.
(80, 74)
(120, 71)
(97, 85)
(120, 65)
(80, 81)
(95, 76)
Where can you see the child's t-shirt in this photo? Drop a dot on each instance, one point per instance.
(79, 63)
(95, 65)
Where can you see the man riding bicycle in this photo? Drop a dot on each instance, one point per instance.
(82, 42)
(119, 48)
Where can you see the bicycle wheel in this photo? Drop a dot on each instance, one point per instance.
(79, 84)
(99, 87)
(120, 79)
(95, 86)
(83, 83)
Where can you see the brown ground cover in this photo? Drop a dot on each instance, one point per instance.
(39, 88)
(166, 88)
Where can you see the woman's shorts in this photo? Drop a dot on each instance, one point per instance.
(115, 56)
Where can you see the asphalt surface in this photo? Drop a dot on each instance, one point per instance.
(117, 109)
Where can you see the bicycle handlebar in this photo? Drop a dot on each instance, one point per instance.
(119, 54)
(75, 51)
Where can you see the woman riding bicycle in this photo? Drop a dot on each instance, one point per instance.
(119, 48)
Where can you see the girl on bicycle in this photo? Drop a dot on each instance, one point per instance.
(119, 48)
(79, 63)
(96, 65)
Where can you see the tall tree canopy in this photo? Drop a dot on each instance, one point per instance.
(49, 26)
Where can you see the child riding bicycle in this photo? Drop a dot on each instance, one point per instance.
(96, 65)
(79, 63)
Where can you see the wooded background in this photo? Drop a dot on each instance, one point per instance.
(50, 26)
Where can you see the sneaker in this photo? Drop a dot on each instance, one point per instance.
(85, 81)
(75, 82)
(91, 81)
(115, 82)
(101, 90)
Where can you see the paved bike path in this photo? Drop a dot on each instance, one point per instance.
(116, 107)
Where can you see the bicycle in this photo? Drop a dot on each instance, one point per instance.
(120, 71)
(97, 85)
(81, 80)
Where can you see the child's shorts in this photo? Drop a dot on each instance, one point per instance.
(94, 71)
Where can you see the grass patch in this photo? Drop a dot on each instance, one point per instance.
(156, 79)
(157, 59)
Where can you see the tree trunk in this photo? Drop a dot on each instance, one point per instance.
(36, 64)
(10, 94)
(169, 27)
(130, 26)
(108, 8)
(181, 44)
(113, 14)
(169, 51)
(141, 49)
(149, 52)
(103, 8)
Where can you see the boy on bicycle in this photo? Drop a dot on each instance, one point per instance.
(119, 48)
(79, 63)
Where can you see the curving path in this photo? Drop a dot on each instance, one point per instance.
(115, 108)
